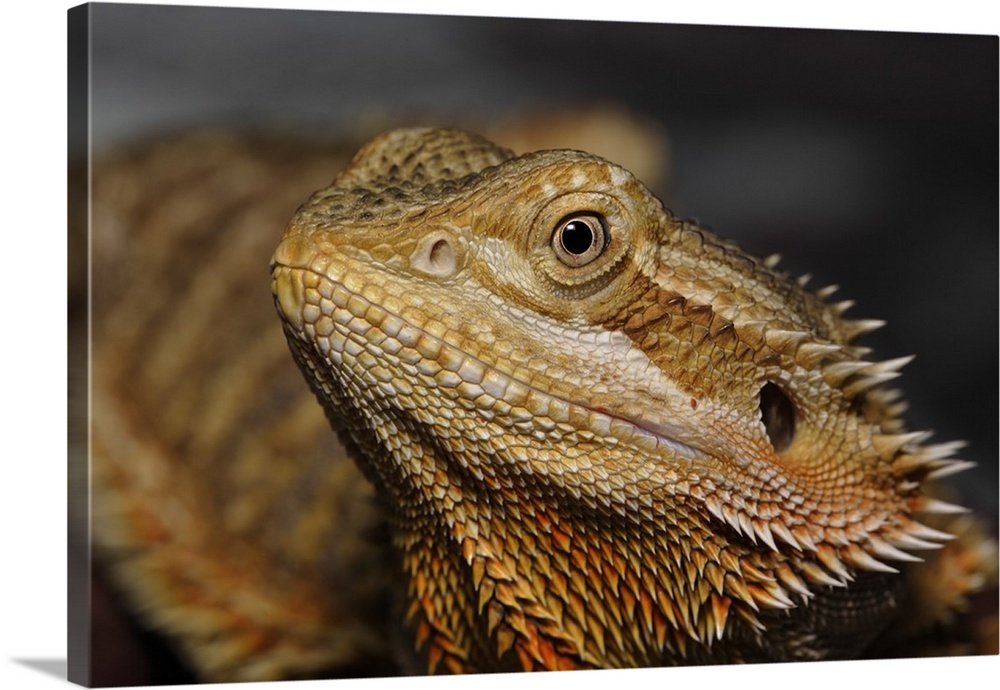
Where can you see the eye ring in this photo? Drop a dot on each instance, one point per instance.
(580, 238)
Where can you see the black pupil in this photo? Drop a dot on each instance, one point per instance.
(577, 237)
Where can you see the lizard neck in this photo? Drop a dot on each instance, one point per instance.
(506, 575)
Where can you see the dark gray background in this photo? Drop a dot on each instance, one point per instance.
(866, 158)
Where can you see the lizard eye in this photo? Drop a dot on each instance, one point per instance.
(579, 239)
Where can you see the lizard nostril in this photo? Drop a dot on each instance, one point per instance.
(778, 416)
(435, 255)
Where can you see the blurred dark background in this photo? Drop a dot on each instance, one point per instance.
(866, 158)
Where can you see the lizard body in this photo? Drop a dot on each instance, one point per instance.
(653, 465)
(218, 496)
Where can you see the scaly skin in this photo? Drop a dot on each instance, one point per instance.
(224, 512)
(224, 515)
(626, 443)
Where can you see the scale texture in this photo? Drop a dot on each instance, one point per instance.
(573, 431)
(604, 437)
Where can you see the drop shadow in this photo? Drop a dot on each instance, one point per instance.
(50, 667)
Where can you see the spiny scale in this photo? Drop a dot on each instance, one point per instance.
(586, 470)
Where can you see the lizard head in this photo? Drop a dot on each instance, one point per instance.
(615, 428)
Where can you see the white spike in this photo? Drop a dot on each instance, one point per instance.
(859, 558)
(905, 463)
(746, 526)
(888, 445)
(906, 541)
(772, 260)
(918, 437)
(939, 507)
(780, 338)
(897, 409)
(764, 532)
(862, 384)
(714, 507)
(811, 353)
(825, 292)
(841, 370)
(806, 540)
(779, 528)
(781, 596)
(730, 516)
(841, 307)
(884, 549)
(940, 451)
(885, 396)
(858, 327)
(921, 531)
(816, 574)
(829, 558)
(949, 468)
(793, 582)
(892, 364)
(804, 279)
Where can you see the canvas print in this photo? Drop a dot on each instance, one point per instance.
(411, 344)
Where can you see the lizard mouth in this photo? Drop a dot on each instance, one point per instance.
(339, 322)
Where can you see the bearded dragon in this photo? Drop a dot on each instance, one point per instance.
(585, 433)
(605, 437)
